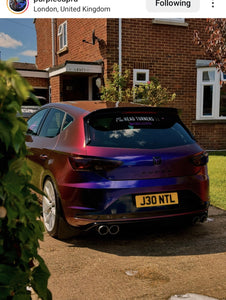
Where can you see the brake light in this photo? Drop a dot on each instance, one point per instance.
(95, 164)
(200, 159)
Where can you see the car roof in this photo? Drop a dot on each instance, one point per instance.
(86, 107)
(82, 107)
(90, 105)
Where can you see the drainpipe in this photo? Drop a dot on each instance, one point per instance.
(119, 52)
(120, 45)
(53, 41)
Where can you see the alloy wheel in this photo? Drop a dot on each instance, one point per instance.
(49, 206)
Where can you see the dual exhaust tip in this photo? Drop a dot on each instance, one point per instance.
(201, 219)
(105, 229)
(114, 229)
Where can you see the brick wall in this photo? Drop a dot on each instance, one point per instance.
(77, 30)
(44, 43)
(167, 51)
(56, 91)
(38, 82)
(170, 55)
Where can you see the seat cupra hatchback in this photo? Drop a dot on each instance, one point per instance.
(104, 167)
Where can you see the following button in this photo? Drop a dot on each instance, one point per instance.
(173, 5)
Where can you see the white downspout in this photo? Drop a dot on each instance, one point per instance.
(120, 46)
(119, 51)
(53, 42)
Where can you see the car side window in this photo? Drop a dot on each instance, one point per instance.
(68, 120)
(52, 124)
(35, 121)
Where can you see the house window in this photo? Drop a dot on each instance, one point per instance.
(223, 77)
(223, 95)
(211, 96)
(62, 34)
(140, 76)
(170, 21)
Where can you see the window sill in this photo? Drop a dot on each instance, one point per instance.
(63, 50)
(216, 121)
(173, 23)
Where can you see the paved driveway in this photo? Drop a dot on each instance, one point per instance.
(149, 263)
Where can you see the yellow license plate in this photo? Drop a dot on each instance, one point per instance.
(156, 200)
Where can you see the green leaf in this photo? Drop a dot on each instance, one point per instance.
(4, 292)
(22, 296)
(21, 229)
(40, 279)
(35, 189)
(6, 273)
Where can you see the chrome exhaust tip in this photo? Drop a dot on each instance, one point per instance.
(195, 220)
(203, 218)
(114, 229)
(103, 230)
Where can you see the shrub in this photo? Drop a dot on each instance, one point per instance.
(118, 89)
(21, 267)
(152, 93)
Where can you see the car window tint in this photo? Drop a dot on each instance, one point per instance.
(52, 125)
(35, 121)
(143, 131)
(68, 120)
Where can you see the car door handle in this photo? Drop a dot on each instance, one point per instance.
(43, 156)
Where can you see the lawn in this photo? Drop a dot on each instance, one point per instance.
(217, 175)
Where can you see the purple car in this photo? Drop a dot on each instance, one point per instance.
(104, 167)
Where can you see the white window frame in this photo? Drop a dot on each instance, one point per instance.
(170, 21)
(136, 72)
(223, 77)
(215, 83)
(62, 34)
(137, 82)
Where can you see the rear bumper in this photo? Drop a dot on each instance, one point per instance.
(91, 203)
(87, 224)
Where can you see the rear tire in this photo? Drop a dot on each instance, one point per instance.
(53, 219)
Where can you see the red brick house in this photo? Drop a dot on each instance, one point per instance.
(76, 52)
(39, 80)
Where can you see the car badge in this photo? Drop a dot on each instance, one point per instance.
(157, 160)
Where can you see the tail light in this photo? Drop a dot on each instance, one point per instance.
(95, 164)
(200, 159)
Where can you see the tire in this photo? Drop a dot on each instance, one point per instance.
(53, 219)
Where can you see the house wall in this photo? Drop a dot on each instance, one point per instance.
(57, 90)
(170, 55)
(44, 43)
(38, 82)
(77, 50)
(168, 52)
(77, 30)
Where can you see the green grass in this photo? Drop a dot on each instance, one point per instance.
(217, 175)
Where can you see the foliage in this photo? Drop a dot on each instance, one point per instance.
(21, 268)
(152, 93)
(118, 89)
(215, 45)
(216, 169)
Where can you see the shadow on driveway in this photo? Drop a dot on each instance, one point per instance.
(155, 239)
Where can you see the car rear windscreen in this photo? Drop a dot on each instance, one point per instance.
(142, 130)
